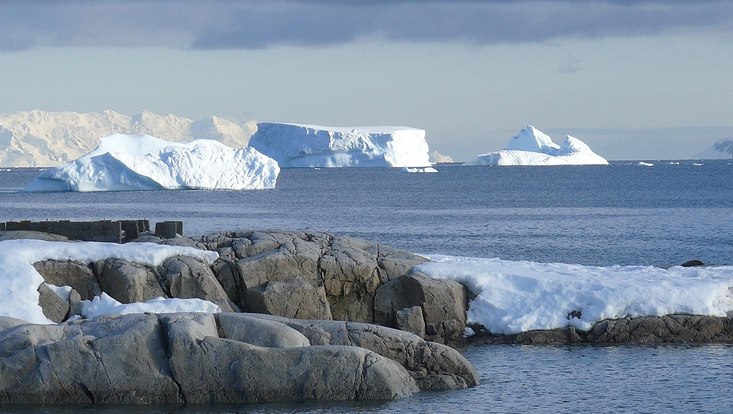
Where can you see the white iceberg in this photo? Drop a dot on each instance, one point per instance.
(518, 296)
(533, 147)
(294, 145)
(143, 162)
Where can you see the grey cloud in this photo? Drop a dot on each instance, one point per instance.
(260, 24)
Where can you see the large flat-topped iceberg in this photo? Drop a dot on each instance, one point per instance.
(142, 162)
(533, 147)
(294, 145)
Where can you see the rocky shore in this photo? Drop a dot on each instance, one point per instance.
(304, 316)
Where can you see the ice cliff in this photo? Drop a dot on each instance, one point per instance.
(533, 147)
(294, 145)
(143, 162)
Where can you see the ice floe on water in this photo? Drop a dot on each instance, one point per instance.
(517, 296)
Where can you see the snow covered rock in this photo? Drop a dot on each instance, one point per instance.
(143, 162)
(294, 145)
(533, 147)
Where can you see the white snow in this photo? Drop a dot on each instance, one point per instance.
(143, 162)
(533, 147)
(520, 296)
(106, 305)
(295, 145)
(19, 280)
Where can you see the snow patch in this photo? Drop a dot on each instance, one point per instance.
(106, 305)
(19, 280)
(518, 296)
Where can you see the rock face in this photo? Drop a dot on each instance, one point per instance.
(630, 330)
(217, 358)
(289, 274)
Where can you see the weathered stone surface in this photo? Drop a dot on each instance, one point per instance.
(434, 366)
(70, 273)
(226, 273)
(186, 277)
(260, 332)
(98, 362)
(8, 322)
(128, 282)
(53, 307)
(443, 303)
(291, 299)
(411, 320)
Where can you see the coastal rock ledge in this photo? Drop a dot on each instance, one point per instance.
(196, 358)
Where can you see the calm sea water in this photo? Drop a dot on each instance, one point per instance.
(621, 214)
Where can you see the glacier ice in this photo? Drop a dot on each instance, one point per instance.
(533, 147)
(142, 162)
(294, 145)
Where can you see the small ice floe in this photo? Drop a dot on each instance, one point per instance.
(645, 164)
(419, 170)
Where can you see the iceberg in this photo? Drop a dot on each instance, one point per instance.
(142, 162)
(519, 296)
(294, 145)
(533, 147)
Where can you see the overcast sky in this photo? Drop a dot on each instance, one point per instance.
(634, 79)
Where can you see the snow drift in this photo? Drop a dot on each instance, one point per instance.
(294, 145)
(143, 162)
(519, 296)
(533, 147)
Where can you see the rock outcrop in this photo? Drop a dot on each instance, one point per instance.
(641, 330)
(199, 358)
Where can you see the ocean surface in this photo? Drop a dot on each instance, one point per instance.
(627, 213)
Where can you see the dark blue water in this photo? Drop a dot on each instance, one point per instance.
(619, 214)
(623, 214)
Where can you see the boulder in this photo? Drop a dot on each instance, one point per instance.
(187, 277)
(70, 273)
(434, 366)
(29, 234)
(443, 304)
(128, 282)
(260, 332)
(52, 305)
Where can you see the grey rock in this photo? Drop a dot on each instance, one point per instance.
(53, 307)
(70, 273)
(292, 299)
(434, 366)
(411, 320)
(226, 273)
(443, 303)
(128, 282)
(187, 277)
(7, 322)
(260, 332)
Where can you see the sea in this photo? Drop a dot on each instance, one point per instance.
(649, 212)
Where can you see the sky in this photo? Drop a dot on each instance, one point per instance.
(634, 79)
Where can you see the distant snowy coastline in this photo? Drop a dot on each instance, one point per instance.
(533, 147)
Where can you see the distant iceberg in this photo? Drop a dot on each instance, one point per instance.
(533, 147)
(142, 162)
(294, 145)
